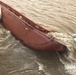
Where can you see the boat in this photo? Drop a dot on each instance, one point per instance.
(28, 32)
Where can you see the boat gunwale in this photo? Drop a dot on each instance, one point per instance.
(25, 19)
(48, 42)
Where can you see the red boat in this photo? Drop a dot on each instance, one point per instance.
(31, 34)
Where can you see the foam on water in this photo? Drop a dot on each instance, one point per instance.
(71, 68)
(70, 56)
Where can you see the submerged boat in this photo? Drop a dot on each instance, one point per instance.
(31, 34)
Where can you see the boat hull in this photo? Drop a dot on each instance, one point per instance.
(28, 32)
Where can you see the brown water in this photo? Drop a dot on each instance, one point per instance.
(17, 59)
(58, 16)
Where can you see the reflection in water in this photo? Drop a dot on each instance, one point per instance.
(55, 15)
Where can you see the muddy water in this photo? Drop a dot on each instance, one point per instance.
(17, 59)
(55, 15)
(58, 14)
